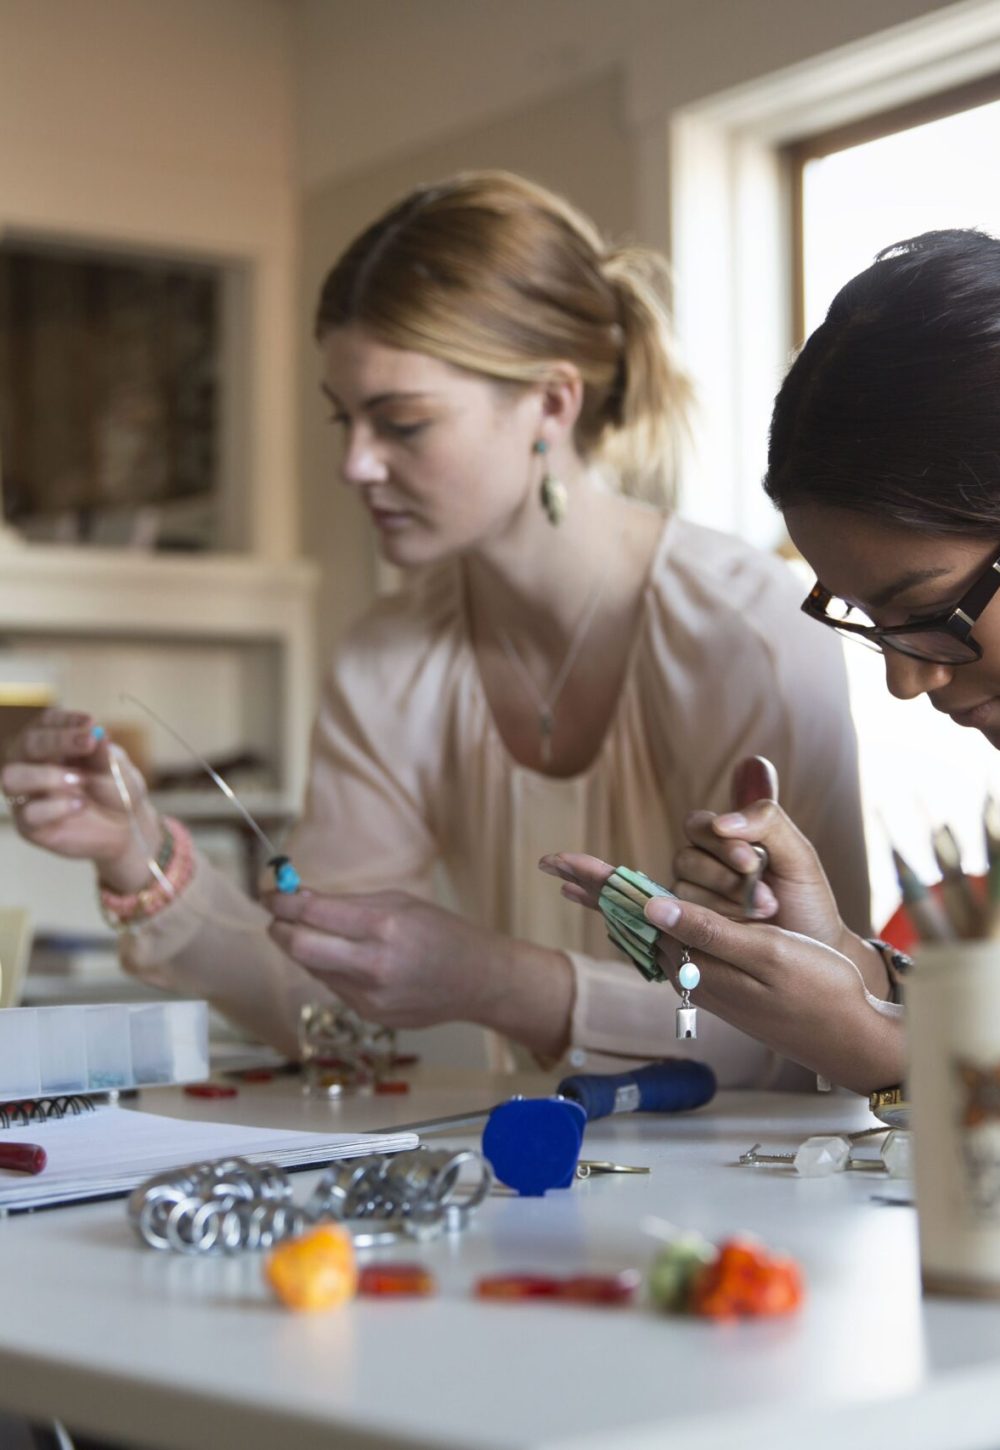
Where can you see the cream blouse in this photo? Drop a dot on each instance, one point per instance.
(411, 787)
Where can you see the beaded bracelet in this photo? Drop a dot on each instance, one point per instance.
(171, 872)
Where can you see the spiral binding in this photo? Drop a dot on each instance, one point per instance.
(40, 1110)
(231, 1204)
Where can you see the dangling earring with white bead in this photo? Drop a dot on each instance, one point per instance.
(687, 1014)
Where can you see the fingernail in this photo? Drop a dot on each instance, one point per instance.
(733, 822)
(745, 858)
(662, 911)
(72, 777)
(764, 899)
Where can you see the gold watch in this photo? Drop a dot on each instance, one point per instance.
(890, 1106)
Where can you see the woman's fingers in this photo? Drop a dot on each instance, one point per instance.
(579, 895)
(753, 779)
(758, 951)
(355, 918)
(324, 953)
(736, 854)
(30, 780)
(588, 873)
(34, 815)
(55, 742)
(790, 855)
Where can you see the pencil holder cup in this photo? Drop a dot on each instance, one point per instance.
(953, 1031)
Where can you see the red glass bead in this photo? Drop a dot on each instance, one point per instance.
(396, 1281)
(210, 1090)
(405, 1059)
(601, 1288)
(23, 1157)
(518, 1286)
(392, 1085)
(257, 1074)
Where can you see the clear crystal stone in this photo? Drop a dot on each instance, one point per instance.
(819, 1157)
(897, 1154)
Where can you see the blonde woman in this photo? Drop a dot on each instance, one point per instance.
(567, 662)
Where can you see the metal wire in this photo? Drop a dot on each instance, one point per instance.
(39, 1110)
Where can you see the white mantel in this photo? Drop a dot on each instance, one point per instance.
(89, 595)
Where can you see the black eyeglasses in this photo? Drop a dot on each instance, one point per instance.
(944, 639)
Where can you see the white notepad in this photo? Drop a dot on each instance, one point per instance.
(111, 1151)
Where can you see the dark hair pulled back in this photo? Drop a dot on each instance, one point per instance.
(892, 408)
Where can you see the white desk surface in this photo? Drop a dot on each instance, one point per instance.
(165, 1351)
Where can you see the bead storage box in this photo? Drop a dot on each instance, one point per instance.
(92, 1049)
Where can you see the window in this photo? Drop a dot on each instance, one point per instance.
(856, 190)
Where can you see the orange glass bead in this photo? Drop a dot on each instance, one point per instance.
(517, 1286)
(746, 1281)
(316, 1271)
(392, 1085)
(396, 1280)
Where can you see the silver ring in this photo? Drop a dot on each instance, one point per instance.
(16, 800)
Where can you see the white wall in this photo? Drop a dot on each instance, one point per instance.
(576, 93)
(169, 125)
(387, 77)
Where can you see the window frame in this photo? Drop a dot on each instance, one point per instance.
(797, 154)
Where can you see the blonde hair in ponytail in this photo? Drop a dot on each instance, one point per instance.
(494, 274)
(647, 419)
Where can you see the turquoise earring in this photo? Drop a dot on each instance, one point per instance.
(551, 492)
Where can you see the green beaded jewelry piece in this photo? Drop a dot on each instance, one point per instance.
(621, 903)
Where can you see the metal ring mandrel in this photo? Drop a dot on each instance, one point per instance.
(752, 881)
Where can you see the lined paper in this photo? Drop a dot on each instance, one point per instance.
(111, 1151)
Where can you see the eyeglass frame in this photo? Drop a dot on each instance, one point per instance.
(959, 621)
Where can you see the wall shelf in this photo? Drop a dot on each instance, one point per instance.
(222, 646)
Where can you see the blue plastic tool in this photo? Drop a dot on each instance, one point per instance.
(533, 1144)
(673, 1086)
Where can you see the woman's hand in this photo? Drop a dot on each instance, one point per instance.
(63, 797)
(403, 962)
(712, 869)
(800, 997)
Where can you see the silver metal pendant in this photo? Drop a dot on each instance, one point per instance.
(687, 1018)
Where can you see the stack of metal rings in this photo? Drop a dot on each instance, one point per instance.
(229, 1205)
(219, 1207)
(419, 1190)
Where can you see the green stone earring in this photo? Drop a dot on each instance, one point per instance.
(551, 492)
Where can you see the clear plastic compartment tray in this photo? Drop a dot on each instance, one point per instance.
(46, 1051)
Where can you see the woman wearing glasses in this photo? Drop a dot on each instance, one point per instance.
(885, 461)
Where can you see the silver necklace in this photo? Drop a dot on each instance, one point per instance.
(545, 704)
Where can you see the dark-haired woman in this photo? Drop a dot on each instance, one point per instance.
(564, 662)
(885, 461)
